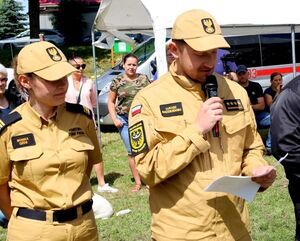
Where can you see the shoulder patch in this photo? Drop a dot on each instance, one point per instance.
(9, 119)
(137, 138)
(77, 108)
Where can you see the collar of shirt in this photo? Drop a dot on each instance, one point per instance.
(36, 119)
(186, 83)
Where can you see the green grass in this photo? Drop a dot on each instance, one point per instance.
(271, 212)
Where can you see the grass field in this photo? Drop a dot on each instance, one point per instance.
(271, 212)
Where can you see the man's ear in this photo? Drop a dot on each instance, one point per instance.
(174, 49)
(24, 81)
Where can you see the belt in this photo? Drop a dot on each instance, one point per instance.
(58, 215)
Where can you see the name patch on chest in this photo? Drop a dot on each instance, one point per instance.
(23, 140)
(172, 109)
(75, 131)
(233, 105)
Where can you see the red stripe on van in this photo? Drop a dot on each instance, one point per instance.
(268, 72)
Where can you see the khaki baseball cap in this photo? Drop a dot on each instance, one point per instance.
(45, 60)
(199, 30)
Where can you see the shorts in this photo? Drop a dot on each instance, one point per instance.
(124, 132)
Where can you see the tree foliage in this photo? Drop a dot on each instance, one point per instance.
(12, 20)
(69, 20)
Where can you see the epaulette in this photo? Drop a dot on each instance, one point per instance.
(77, 108)
(9, 119)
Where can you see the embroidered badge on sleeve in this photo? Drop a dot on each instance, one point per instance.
(137, 138)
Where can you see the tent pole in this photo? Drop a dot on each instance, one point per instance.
(95, 83)
(293, 49)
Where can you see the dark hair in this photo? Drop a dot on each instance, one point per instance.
(274, 74)
(130, 55)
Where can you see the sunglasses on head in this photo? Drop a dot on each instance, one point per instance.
(3, 79)
(80, 66)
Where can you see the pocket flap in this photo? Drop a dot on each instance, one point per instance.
(82, 143)
(236, 123)
(26, 153)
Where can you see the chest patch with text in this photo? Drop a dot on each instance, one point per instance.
(233, 105)
(23, 140)
(75, 131)
(172, 109)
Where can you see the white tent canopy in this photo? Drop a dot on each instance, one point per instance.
(117, 17)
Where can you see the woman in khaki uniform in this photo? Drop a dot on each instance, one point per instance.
(48, 148)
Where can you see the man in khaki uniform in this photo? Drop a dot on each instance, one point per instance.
(171, 124)
(48, 148)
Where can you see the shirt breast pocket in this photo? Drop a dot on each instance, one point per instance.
(22, 160)
(236, 133)
(80, 145)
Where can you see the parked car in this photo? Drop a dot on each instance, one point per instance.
(23, 38)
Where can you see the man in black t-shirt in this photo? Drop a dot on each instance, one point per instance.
(256, 97)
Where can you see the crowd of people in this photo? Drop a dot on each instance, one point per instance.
(49, 139)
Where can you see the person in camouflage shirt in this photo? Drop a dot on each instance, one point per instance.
(122, 91)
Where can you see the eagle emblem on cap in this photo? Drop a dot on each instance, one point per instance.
(208, 25)
(54, 54)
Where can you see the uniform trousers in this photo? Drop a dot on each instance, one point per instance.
(83, 228)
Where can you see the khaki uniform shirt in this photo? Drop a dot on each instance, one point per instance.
(178, 162)
(44, 162)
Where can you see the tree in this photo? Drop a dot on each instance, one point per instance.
(12, 20)
(69, 21)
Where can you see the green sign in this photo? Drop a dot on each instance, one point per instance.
(121, 47)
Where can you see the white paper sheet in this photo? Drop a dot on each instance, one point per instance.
(241, 186)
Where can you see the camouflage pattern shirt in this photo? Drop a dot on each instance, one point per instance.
(126, 89)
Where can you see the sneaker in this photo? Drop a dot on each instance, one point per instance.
(107, 188)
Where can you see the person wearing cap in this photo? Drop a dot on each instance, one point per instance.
(171, 123)
(48, 148)
(256, 96)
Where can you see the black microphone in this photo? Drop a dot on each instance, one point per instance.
(211, 90)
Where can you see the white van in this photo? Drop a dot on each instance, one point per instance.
(262, 54)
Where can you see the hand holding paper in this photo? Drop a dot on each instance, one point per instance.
(244, 186)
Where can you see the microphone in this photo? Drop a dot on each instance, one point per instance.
(211, 90)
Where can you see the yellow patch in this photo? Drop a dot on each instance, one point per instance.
(137, 138)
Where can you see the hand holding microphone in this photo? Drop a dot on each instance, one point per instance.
(211, 111)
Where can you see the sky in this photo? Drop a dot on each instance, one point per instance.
(25, 5)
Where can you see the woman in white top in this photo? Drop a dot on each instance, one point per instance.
(81, 90)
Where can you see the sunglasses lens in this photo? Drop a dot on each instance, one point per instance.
(81, 66)
(3, 79)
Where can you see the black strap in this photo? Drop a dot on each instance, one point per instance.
(58, 216)
(79, 94)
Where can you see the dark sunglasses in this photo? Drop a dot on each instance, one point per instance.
(3, 79)
(78, 66)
